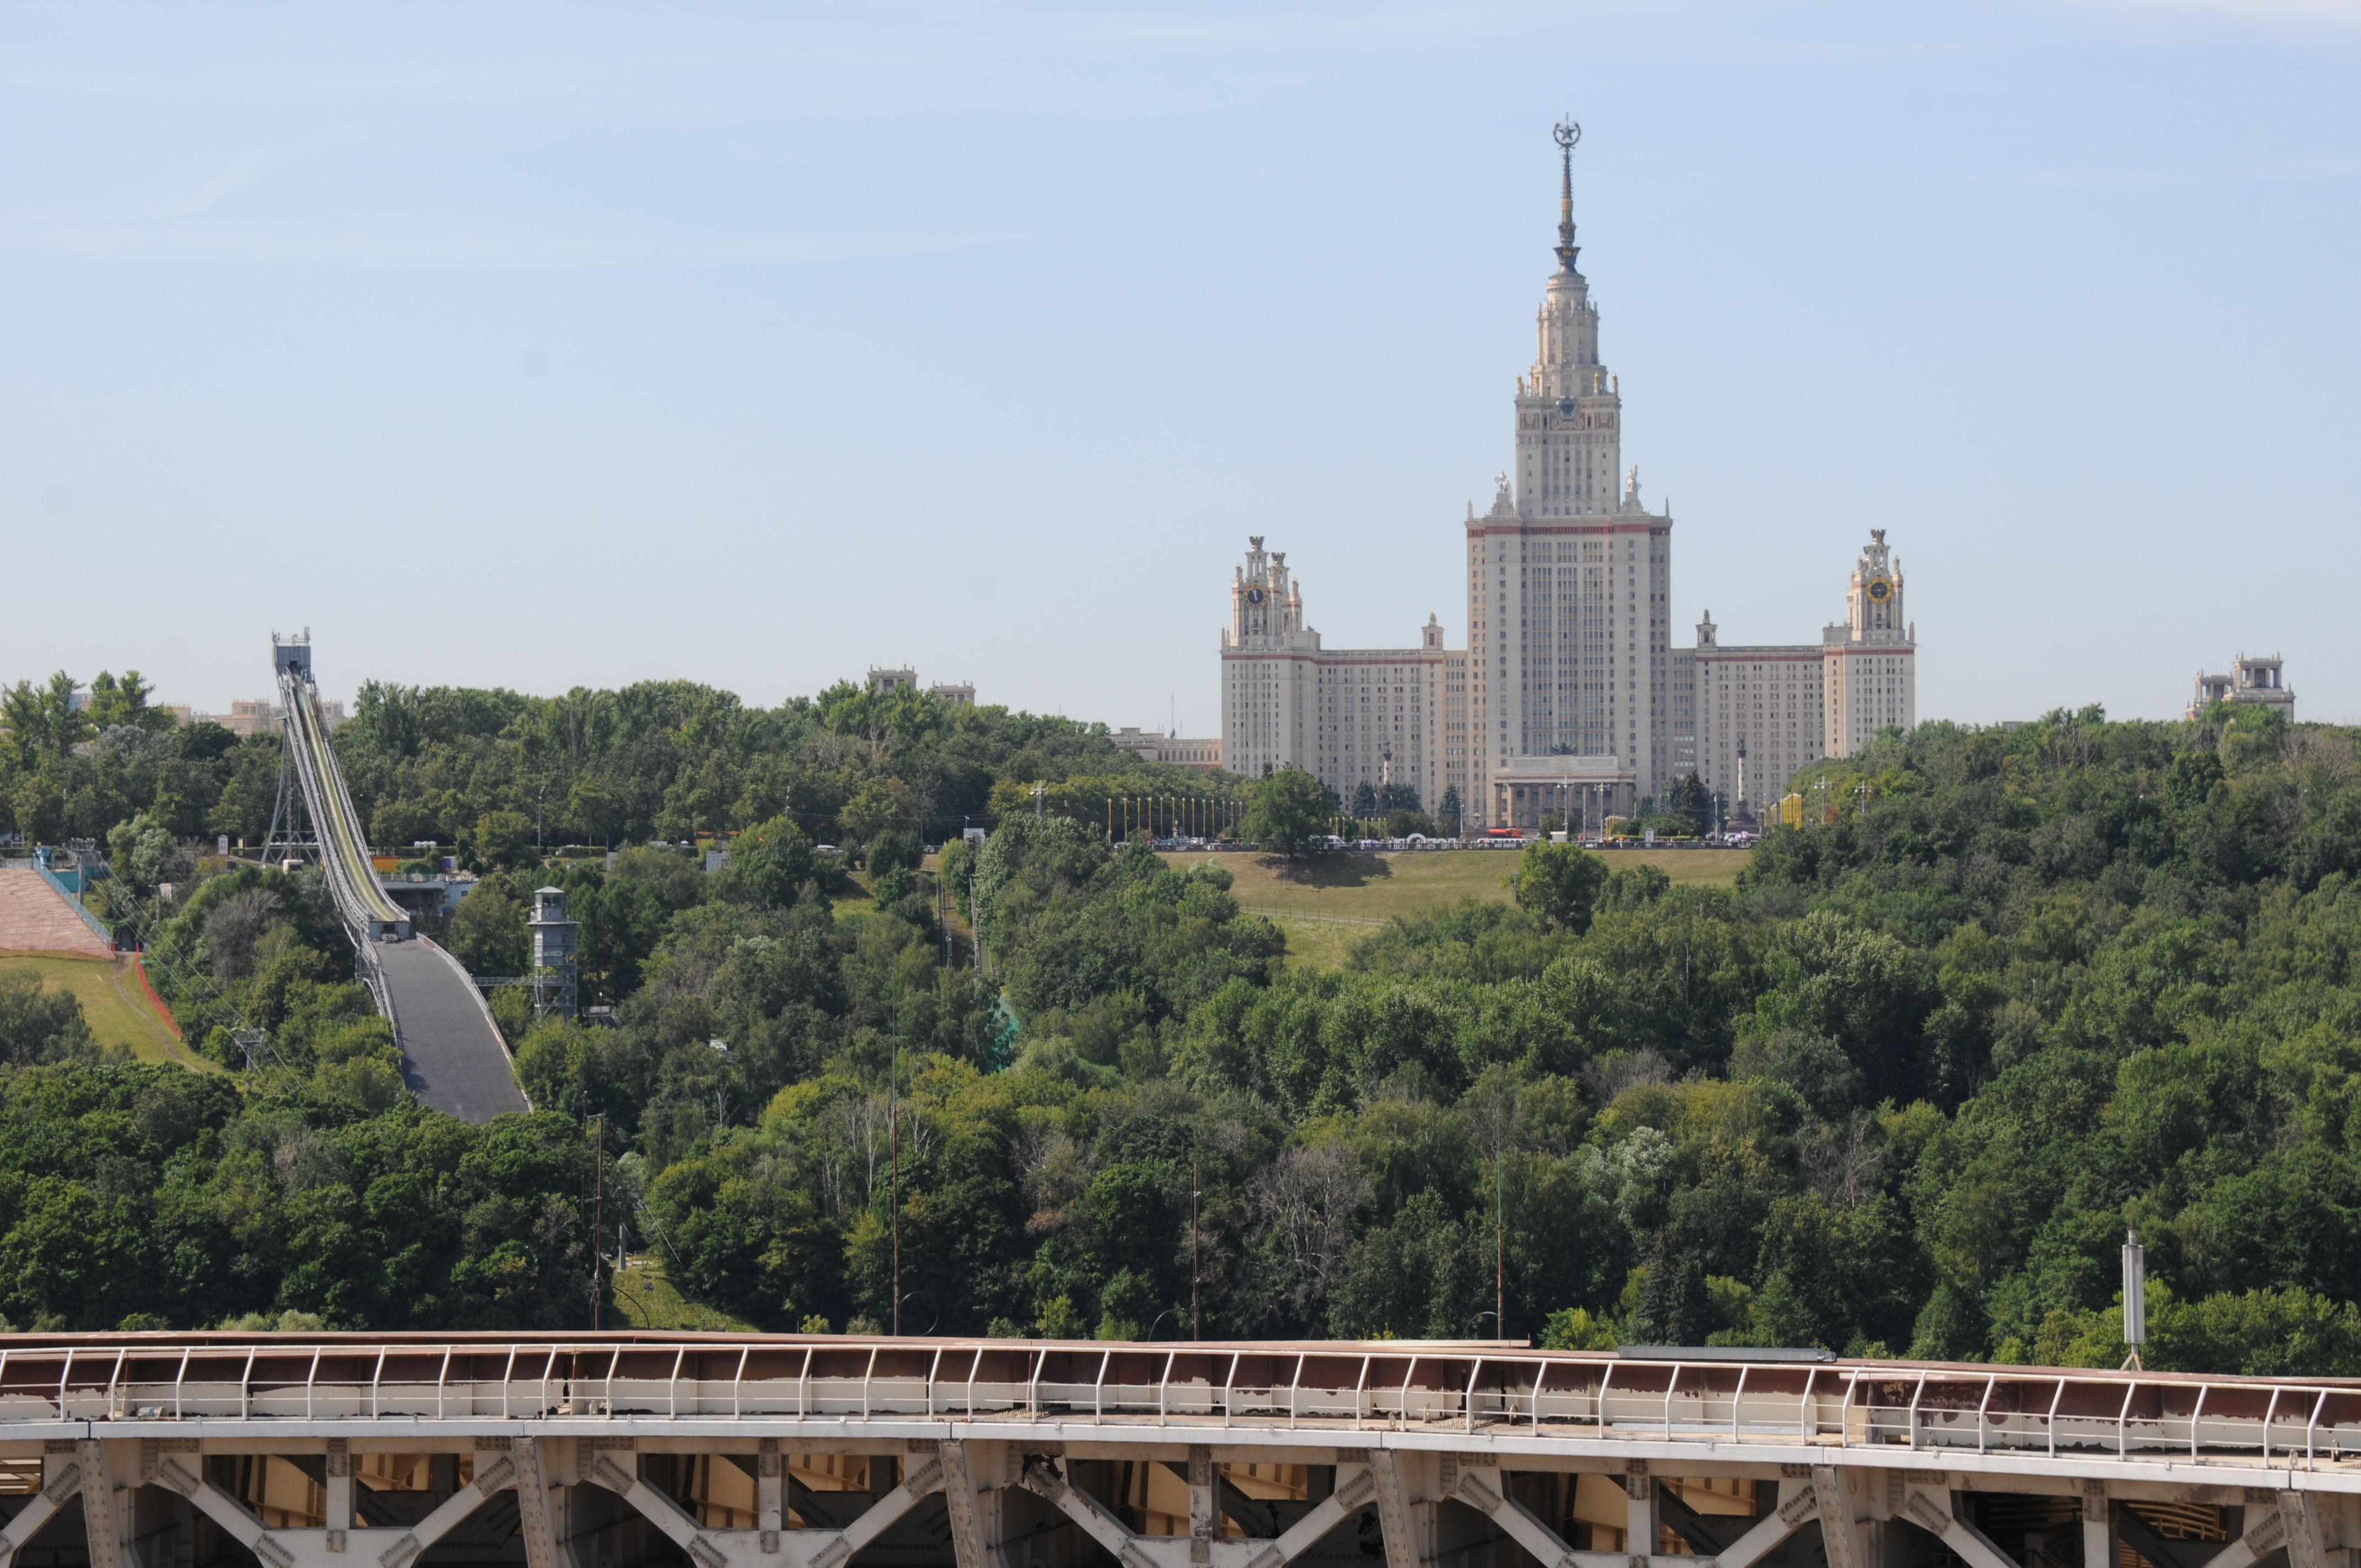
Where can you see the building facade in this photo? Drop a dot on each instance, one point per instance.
(2258, 681)
(1764, 712)
(1347, 716)
(1570, 695)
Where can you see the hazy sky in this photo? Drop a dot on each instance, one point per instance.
(544, 345)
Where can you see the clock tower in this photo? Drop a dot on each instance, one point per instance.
(1871, 663)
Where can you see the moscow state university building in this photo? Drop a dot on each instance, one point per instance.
(1569, 693)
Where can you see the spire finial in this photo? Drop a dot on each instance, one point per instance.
(1567, 134)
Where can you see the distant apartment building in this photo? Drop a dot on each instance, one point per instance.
(254, 716)
(959, 694)
(1180, 751)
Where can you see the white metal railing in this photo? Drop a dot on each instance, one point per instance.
(1247, 1388)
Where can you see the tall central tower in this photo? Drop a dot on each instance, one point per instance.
(1569, 579)
(1569, 440)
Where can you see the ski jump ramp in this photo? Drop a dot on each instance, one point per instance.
(452, 1056)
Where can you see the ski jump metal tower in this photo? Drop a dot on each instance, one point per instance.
(292, 836)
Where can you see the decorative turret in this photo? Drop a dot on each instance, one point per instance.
(1873, 597)
(1266, 603)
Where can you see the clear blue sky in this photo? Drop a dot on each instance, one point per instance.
(538, 345)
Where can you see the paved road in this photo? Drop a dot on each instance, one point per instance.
(452, 1057)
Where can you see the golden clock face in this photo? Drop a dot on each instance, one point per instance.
(1255, 596)
(1880, 590)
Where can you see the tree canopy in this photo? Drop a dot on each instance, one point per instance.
(1900, 1091)
(1289, 809)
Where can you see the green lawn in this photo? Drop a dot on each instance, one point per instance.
(1380, 886)
(1327, 903)
(113, 1004)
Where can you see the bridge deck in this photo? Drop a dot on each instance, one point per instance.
(660, 1450)
(1270, 1392)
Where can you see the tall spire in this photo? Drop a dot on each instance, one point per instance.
(1567, 134)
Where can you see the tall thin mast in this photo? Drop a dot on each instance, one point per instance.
(1567, 134)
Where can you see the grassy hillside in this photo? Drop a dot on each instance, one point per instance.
(118, 1014)
(645, 1298)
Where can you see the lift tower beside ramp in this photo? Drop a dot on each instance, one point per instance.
(452, 1056)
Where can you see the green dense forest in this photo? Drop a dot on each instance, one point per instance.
(1899, 1093)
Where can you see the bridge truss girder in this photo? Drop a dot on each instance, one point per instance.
(1430, 1506)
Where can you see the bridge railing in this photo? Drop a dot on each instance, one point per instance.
(1333, 1388)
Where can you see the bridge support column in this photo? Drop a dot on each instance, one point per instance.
(1640, 1536)
(339, 1493)
(535, 1522)
(1401, 1521)
(976, 1523)
(1832, 1499)
(2307, 1544)
(102, 1508)
(770, 1494)
(2098, 1527)
(1203, 1516)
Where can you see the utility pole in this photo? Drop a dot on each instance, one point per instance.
(893, 1132)
(1196, 1256)
(1500, 1243)
(2135, 1298)
(598, 1224)
(1040, 790)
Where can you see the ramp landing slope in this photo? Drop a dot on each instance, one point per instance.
(36, 918)
(452, 1056)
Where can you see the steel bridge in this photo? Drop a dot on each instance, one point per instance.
(451, 1055)
(631, 1450)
